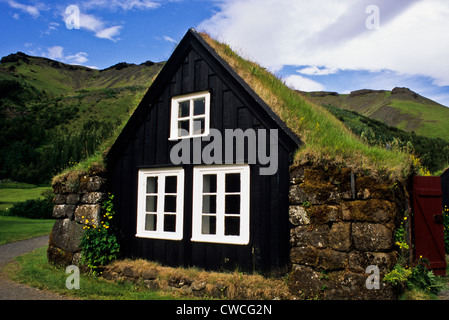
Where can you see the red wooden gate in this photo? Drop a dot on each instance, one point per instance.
(428, 222)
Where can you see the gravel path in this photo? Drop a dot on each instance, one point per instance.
(13, 291)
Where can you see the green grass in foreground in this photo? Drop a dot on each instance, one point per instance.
(17, 228)
(33, 269)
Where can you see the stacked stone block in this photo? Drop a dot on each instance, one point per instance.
(78, 197)
(341, 223)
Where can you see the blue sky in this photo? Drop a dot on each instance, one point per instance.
(330, 45)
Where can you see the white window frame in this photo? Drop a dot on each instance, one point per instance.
(161, 174)
(220, 237)
(174, 119)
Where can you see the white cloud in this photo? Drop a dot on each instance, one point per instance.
(97, 26)
(122, 4)
(104, 30)
(109, 33)
(316, 71)
(169, 39)
(411, 39)
(53, 26)
(57, 53)
(91, 22)
(301, 83)
(33, 11)
(77, 58)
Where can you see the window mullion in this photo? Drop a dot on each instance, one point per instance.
(142, 208)
(160, 204)
(220, 203)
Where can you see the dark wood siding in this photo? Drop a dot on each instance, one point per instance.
(148, 146)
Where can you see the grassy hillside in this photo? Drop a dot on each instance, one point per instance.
(432, 152)
(53, 115)
(400, 108)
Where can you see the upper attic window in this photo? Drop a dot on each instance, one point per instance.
(190, 116)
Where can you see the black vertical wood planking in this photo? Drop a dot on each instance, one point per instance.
(232, 106)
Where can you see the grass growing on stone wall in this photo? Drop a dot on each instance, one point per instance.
(233, 285)
(326, 140)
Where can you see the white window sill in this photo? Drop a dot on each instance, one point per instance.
(225, 240)
(158, 236)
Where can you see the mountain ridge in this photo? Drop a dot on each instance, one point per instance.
(400, 107)
(53, 114)
(63, 78)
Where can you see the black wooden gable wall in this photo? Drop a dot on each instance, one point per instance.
(144, 144)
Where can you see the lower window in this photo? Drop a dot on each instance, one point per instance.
(160, 203)
(221, 204)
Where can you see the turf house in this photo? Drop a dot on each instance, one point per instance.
(213, 211)
(223, 167)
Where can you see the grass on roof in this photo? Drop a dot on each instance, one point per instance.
(326, 139)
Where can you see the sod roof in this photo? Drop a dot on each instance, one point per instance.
(325, 139)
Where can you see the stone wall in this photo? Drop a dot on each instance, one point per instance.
(78, 196)
(341, 224)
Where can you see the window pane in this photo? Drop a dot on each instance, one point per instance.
(209, 225)
(170, 204)
(152, 185)
(198, 106)
(232, 226)
(209, 204)
(151, 204)
(184, 109)
(183, 128)
(198, 126)
(170, 222)
(150, 222)
(232, 203)
(171, 184)
(209, 183)
(233, 182)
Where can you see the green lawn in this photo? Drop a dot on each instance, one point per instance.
(8, 196)
(16, 228)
